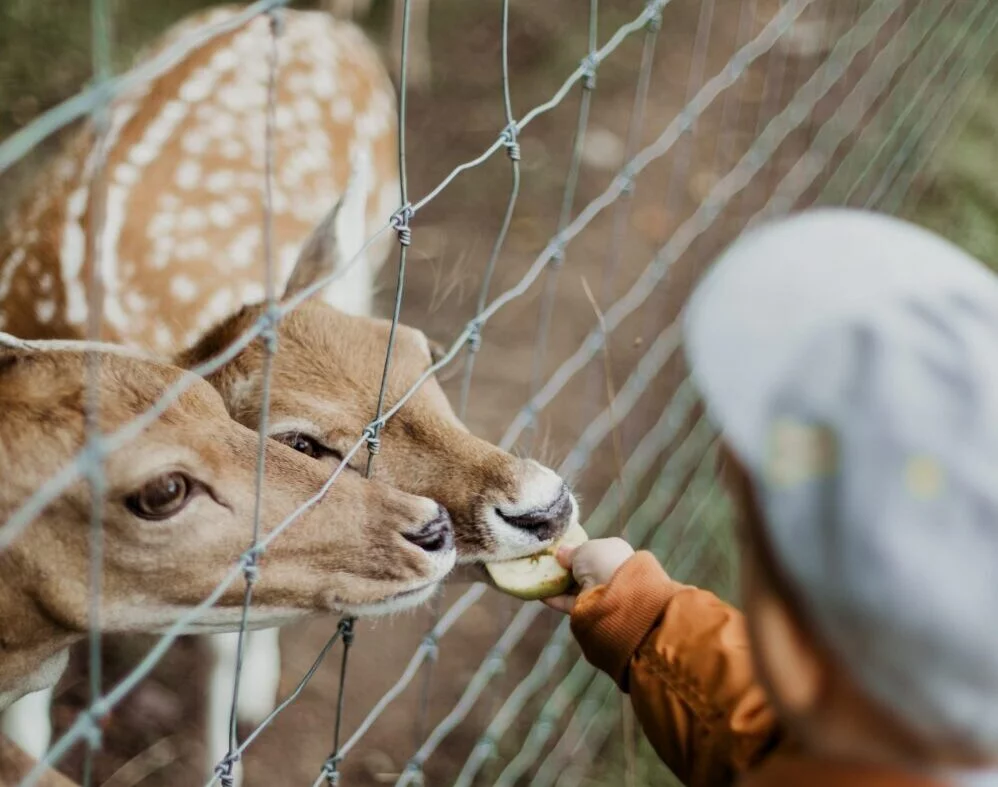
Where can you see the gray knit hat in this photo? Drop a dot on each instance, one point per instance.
(851, 362)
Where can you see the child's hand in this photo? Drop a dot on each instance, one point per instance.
(593, 563)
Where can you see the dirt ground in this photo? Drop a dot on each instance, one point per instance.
(154, 737)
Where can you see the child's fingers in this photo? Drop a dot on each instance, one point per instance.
(561, 603)
(565, 556)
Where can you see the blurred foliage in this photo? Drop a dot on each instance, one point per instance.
(957, 195)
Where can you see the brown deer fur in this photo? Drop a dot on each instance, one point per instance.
(351, 551)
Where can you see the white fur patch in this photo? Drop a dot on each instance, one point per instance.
(72, 252)
(188, 174)
(10, 267)
(114, 222)
(183, 288)
(45, 311)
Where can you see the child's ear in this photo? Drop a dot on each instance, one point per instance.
(789, 662)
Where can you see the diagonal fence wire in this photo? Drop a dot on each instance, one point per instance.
(765, 145)
(488, 743)
(537, 679)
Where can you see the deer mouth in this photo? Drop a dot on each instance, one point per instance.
(516, 531)
(546, 522)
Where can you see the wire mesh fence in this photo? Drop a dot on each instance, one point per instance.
(851, 99)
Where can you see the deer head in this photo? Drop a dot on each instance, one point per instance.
(325, 381)
(177, 510)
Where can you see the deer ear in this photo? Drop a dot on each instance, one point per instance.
(320, 255)
(340, 235)
(437, 350)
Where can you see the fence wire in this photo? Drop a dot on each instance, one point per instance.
(884, 62)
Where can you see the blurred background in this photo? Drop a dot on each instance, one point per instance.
(909, 127)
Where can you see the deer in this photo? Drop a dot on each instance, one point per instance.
(177, 507)
(181, 289)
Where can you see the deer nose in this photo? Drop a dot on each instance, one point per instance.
(551, 518)
(437, 535)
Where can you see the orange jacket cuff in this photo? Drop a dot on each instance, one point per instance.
(611, 621)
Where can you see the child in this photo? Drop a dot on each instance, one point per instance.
(851, 363)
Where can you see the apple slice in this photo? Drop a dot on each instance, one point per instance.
(537, 576)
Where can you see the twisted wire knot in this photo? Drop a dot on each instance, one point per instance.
(331, 770)
(372, 438)
(225, 769)
(474, 336)
(268, 333)
(276, 17)
(346, 628)
(93, 453)
(589, 65)
(627, 176)
(655, 20)
(558, 252)
(432, 645)
(93, 733)
(496, 660)
(251, 569)
(414, 771)
(509, 139)
(400, 223)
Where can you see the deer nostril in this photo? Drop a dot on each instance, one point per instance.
(553, 516)
(437, 535)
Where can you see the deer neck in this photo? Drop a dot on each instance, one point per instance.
(34, 649)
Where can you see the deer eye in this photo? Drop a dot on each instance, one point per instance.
(162, 497)
(309, 446)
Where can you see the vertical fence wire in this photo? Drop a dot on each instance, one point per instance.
(557, 261)
(635, 127)
(676, 191)
(100, 117)
(226, 768)
(400, 223)
(623, 207)
(513, 151)
(774, 132)
(823, 84)
(692, 558)
(49, 122)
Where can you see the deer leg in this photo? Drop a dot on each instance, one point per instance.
(28, 724)
(221, 678)
(261, 675)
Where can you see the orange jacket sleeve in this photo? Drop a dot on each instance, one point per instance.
(683, 655)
